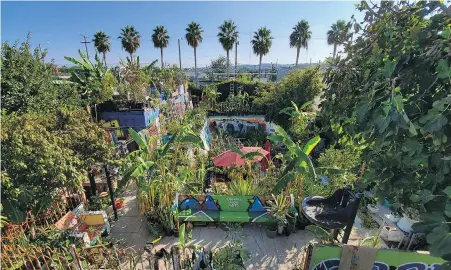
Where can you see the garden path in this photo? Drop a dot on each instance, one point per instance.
(279, 253)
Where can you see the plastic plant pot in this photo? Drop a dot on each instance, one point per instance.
(271, 232)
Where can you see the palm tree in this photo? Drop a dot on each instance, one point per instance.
(130, 39)
(299, 37)
(102, 43)
(194, 38)
(160, 39)
(261, 43)
(228, 36)
(337, 35)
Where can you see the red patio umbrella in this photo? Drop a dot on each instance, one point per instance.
(228, 158)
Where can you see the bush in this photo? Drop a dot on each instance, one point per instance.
(300, 86)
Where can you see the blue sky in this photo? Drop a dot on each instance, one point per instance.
(58, 26)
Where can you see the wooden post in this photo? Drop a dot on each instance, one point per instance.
(110, 189)
(73, 251)
(92, 182)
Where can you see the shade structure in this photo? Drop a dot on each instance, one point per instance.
(228, 158)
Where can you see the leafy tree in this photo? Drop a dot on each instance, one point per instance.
(130, 40)
(26, 81)
(299, 86)
(228, 36)
(95, 82)
(135, 81)
(337, 35)
(160, 40)
(194, 38)
(219, 65)
(261, 43)
(299, 37)
(46, 152)
(392, 93)
(102, 44)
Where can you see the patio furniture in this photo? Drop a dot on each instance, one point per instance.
(225, 208)
(335, 212)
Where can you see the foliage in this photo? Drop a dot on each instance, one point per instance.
(95, 82)
(27, 82)
(162, 171)
(46, 152)
(231, 256)
(338, 35)
(302, 122)
(261, 43)
(297, 161)
(300, 36)
(194, 38)
(323, 236)
(160, 39)
(344, 164)
(280, 207)
(228, 36)
(135, 81)
(102, 44)
(194, 34)
(299, 86)
(220, 64)
(242, 187)
(130, 40)
(391, 92)
(184, 246)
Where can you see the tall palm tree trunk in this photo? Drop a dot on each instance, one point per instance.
(335, 50)
(297, 55)
(227, 64)
(104, 58)
(161, 50)
(260, 67)
(131, 57)
(195, 66)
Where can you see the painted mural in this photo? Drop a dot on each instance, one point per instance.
(224, 208)
(240, 123)
(328, 258)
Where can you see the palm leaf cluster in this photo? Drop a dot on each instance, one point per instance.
(130, 40)
(102, 44)
(261, 43)
(160, 40)
(228, 36)
(299, 37)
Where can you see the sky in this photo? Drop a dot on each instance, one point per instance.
(58, 27)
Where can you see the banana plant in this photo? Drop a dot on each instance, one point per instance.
(294, 111)
(297, 159)
(140, 164)
(89, 76)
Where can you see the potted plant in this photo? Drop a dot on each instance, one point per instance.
(279, 210)
(271, 231)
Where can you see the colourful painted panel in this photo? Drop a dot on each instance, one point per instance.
(224, 208)
(328, 258)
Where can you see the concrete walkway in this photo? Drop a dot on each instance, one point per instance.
(279, 253)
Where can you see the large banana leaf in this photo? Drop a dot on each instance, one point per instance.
(247, 156)
(139, 139)
(283, 182)
(310, 145)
